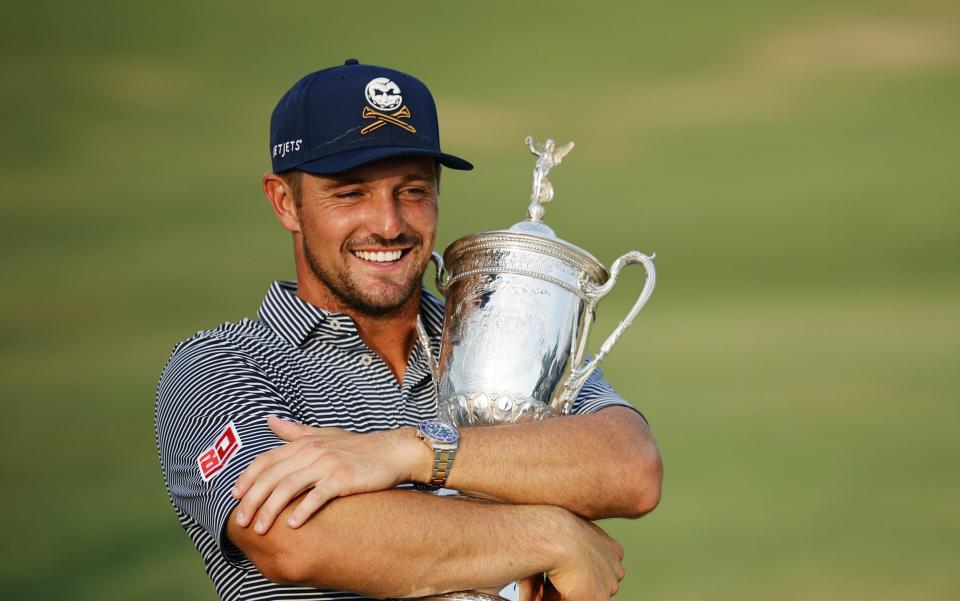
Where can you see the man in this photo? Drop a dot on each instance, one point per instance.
(287, 441)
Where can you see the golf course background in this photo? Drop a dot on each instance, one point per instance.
(794, 165)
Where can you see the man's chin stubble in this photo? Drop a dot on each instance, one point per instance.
(349, 293)
(362, 303)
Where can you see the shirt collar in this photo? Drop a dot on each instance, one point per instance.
(291, 317)
(294, 319)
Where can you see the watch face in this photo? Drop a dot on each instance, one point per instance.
(439, 431)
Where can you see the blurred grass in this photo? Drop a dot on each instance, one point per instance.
(794, 165)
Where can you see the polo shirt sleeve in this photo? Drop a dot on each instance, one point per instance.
(213, 401)
(598, 394)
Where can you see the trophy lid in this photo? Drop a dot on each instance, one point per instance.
(532, 234)
(548, 156)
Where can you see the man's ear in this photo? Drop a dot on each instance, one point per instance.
(282, 202)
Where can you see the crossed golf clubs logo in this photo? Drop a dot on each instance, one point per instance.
(384, 118)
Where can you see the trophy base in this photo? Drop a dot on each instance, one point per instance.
(511, 592)
(466, 596)
(469, 409)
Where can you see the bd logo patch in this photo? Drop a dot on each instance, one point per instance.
(215, 458)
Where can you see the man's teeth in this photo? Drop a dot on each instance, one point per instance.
(380, 256)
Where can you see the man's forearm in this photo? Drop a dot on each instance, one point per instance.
(402, 543)
(600, 465)
(596, 466)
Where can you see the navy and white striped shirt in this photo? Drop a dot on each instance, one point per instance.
(297, 362)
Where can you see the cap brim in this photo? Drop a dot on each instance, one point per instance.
(344, 161)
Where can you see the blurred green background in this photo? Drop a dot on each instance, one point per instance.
(795, 166)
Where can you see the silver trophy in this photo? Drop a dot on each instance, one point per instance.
(519, 306)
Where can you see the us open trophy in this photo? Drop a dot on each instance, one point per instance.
(519, 306)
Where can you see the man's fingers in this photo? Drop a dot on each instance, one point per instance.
(334, 461)
(266, 481)
(259, 465)
(291, 431)
(321, 494)
(595, 571)
(617, 547)
(288, 431)
(550, 593)
(530, 588)
(285, 491)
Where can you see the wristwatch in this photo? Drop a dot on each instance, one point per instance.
(442, 438)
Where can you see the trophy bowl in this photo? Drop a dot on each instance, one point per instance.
(519, 306)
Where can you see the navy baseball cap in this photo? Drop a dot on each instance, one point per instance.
(342, 117)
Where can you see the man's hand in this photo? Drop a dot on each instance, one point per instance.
(330, 461)
(591, 567)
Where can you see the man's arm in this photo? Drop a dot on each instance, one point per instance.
(402, 543)
(597, 466)
(209, 385)
(600, 465)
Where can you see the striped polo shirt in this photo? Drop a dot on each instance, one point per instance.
(297, 362)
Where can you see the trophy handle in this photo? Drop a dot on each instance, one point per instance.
(443, 277)
(578, 375)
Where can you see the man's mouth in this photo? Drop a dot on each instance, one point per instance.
(379, 256)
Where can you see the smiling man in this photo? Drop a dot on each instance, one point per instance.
(290, 444)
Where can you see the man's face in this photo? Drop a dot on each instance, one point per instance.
(367, 233)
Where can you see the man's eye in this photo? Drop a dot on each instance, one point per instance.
(349, 194)
(416, 191)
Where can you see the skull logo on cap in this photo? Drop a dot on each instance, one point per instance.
(383, 94)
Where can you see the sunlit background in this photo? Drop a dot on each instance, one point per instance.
(794, 165)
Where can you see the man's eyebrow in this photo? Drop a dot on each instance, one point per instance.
(422, 175)
(337, 181)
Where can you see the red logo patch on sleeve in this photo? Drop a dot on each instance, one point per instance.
(215, 458)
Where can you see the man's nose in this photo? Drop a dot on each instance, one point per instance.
(387, 219)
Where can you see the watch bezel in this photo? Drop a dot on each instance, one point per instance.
(439, 431)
